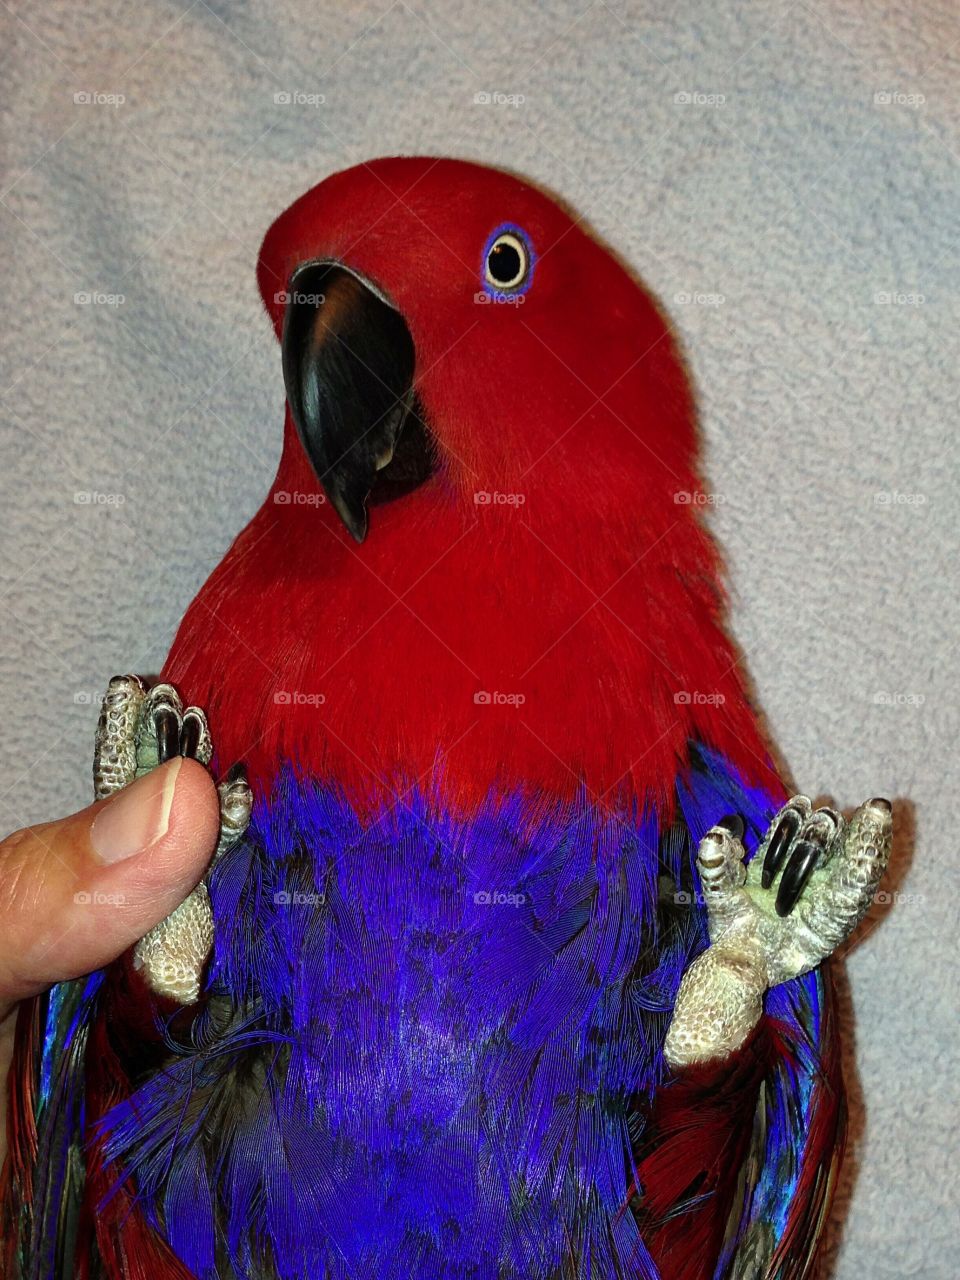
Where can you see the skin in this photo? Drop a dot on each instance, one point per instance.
(64, 911)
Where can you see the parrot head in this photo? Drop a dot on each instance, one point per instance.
(482, 555)
(440, 319)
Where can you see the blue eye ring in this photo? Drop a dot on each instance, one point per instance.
(507, 263)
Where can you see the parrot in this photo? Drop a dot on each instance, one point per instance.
(512, 962)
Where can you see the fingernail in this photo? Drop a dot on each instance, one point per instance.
(136, 817)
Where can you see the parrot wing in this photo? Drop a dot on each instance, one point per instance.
(739, 1158)
(44, 1174)
(798, 1137)
(57, 1192)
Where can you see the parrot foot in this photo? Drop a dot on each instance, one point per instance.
(138, 730)
(806, 889)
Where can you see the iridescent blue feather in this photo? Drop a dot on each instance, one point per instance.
(430, 1040)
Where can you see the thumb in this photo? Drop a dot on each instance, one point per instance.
(74, 894)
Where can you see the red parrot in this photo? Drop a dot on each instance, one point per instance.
(512, 971)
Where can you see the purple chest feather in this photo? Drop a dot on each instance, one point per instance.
(429, 1042)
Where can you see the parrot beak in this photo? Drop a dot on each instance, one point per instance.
(348, 364)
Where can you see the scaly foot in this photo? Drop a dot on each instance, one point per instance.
(138, 730)
(807, 888)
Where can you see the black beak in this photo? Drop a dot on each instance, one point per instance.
(348, 363)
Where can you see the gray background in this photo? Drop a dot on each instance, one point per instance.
(818, 199)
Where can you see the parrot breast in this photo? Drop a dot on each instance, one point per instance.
(429, 1040)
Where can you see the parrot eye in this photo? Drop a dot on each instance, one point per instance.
(507, 262)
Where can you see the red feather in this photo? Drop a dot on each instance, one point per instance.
(113, 1228)
(699, 1140)
(591, 592)
(16, 1174)
(824, 1144)
(556, 559)
(699, 1136)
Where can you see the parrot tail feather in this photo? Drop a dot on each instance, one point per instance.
(16, 1182)
(773, 1113)
(117, 1238)
(701, 1129)
(42, 1186)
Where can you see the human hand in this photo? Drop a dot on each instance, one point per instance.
(77, 892)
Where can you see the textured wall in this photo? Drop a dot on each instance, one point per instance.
(785, 178)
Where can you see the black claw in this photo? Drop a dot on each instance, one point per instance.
(238, 773)
(167, 728)
(780, 841)
(190, 736)
(734, 824)
(798, 871)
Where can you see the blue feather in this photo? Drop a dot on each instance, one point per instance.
(425, 1039)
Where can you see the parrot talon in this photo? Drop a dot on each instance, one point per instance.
(236, 803)
(195, 740)
(734, 824)
(167, 728)
(138, 730)
(814, 841)
(189, 737)
(806, 854)
(783, 836)
(765, 931)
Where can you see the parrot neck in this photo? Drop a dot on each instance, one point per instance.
(468, 647)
